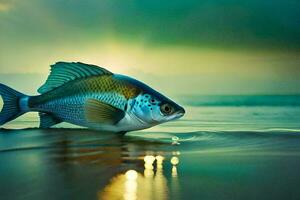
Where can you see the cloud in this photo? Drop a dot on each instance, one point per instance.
(247, 24)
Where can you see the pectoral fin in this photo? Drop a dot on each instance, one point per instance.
(99, 112)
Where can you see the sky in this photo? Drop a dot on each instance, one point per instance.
(178, 47)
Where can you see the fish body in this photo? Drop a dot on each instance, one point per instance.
(93, 97)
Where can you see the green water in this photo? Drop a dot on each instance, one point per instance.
(217, 151)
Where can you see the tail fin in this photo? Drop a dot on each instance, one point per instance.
(11, 107)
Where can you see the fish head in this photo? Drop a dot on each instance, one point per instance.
(154, 108)
(149, 107)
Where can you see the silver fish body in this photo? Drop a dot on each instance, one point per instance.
(90, 96)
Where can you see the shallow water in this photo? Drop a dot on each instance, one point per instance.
(214, 152)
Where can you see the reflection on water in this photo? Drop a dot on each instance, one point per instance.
(106, 166)
(213, 153)
(152, 184)
(174, 161)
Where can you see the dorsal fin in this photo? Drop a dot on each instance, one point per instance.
(63, 72)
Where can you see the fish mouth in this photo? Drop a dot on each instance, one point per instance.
(179, 113)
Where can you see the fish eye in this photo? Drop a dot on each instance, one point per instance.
(166, 109)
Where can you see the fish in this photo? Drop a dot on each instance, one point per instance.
(91, 96)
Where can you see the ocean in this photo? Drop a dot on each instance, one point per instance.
(225, 147)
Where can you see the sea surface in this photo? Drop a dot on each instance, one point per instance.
(225, 147)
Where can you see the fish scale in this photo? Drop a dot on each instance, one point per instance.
(105, 89)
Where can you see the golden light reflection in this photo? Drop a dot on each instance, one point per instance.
(174, 160)
(131, 175)
(159, 162)
(174, 171)
(130, 192)
(122, 186)
(159, 159)
(148, 173)
(174, 181)
(149, 159)
(149, 162)
(160, 181)
(133, 185)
